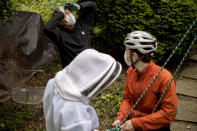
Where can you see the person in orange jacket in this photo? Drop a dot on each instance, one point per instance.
(140, 47)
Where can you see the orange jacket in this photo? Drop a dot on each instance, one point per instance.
(142, 116)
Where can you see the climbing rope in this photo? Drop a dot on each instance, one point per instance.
(179, 66)
(117, 128)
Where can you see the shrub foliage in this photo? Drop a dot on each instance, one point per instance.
(42, 7)
(167, 20)
(6, 10)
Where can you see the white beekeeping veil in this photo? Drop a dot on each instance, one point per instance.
(87, 76)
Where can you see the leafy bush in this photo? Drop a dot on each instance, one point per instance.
(12, 121)
(6, 10)
(167, 20)
(108, 102)
(42, 7)
(18, 117)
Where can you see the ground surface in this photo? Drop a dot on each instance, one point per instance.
(30, 117)
(186, 83)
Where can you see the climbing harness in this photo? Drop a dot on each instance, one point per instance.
(117, 127)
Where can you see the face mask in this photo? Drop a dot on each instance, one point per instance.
(127, 58)
(70, 19)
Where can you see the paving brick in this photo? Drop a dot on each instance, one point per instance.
(186, 86)
(187, 110)
(183, 126)
(194, 57)
(190, 71)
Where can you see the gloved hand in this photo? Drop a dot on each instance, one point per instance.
(116, 122)
(58, 9)
(72, 6)
(127, 126)
(61, 9)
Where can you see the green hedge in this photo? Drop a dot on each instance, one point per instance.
(42, 7)
(6, 10)
(167, 20)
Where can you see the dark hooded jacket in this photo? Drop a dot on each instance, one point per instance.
(71, 42)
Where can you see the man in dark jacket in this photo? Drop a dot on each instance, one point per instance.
(73, 35)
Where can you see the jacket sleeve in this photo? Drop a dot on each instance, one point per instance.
(127, 103)
(87, 12)
(165, 114)
(48, 95)
(125, 107)
(51, 27)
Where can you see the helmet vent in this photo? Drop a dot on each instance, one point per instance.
(135, 38)
(148, 43)
(147, 48)
(146, 38)
(130, 44)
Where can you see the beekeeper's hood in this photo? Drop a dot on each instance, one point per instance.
(87, 76)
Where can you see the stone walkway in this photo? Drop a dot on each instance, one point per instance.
(186, 85)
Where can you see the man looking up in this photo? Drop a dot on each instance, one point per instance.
(73, 36)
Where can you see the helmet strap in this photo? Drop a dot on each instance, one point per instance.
(133, 63)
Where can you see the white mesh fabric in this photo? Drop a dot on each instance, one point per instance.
(84, 72)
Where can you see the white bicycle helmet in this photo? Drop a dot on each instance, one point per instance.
(142, 41)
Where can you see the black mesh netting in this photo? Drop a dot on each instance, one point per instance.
(23, 48)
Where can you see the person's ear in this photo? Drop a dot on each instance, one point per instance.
(135, 55)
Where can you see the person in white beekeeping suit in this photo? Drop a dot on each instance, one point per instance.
(66, 97)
